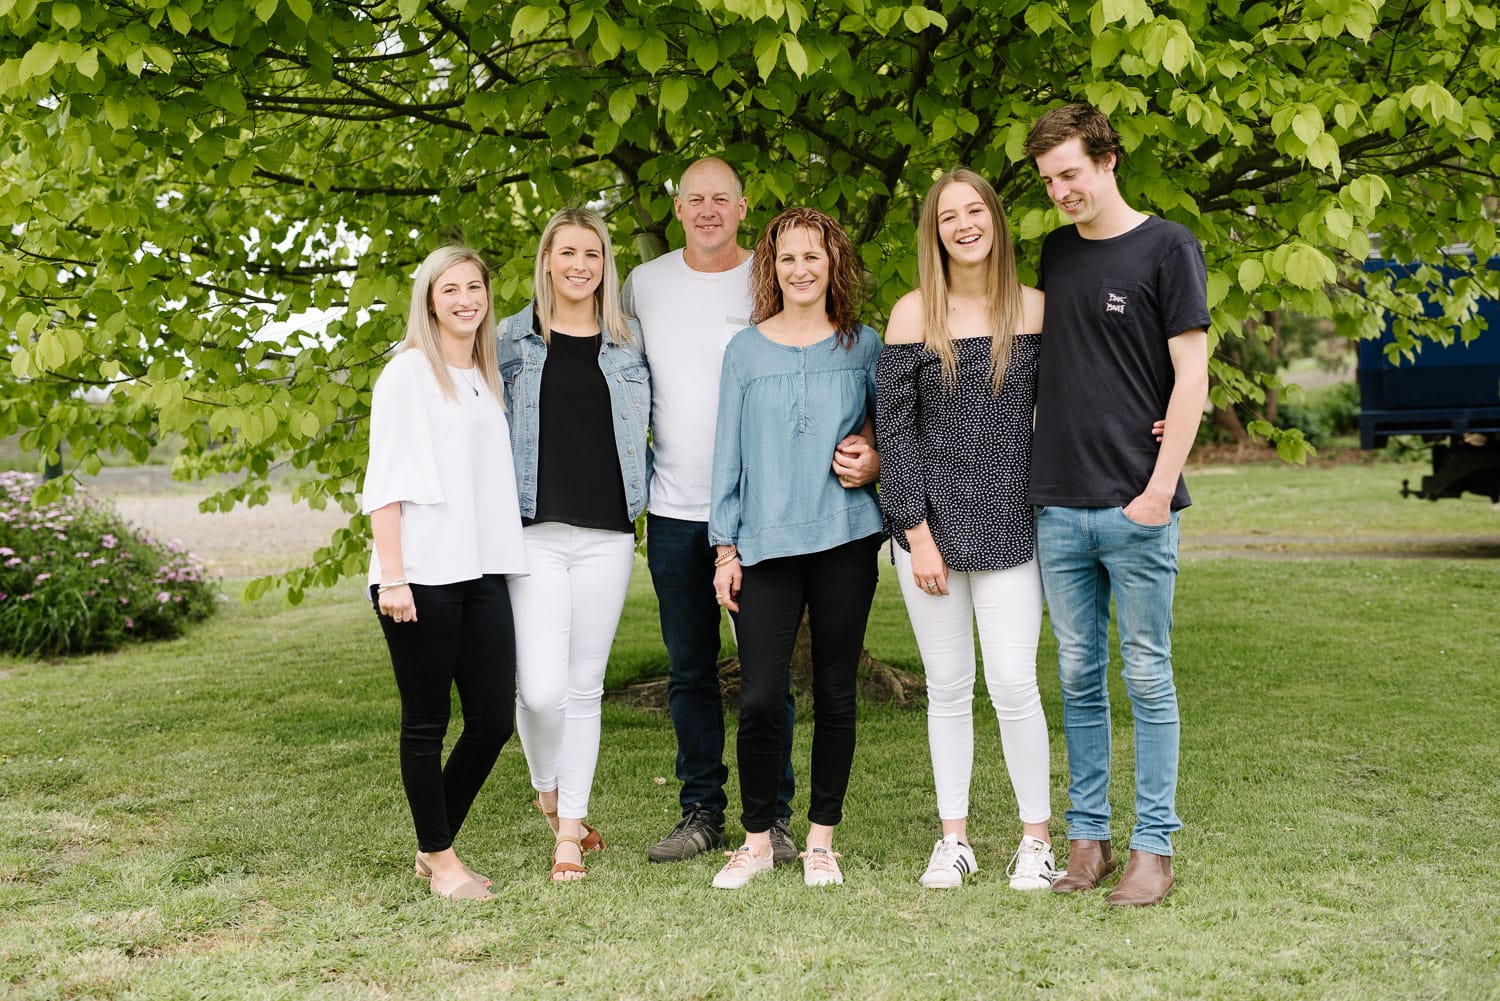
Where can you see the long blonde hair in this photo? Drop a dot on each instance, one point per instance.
(422, 328)
(1002, 287)
(606, 297)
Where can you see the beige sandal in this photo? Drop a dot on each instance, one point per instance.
(424, 871)
(592, 840)
(467, 890)
(562, 872)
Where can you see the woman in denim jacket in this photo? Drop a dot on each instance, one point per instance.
(791, 534)
(579, 396)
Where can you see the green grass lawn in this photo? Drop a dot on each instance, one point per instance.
(220, 816)
(1322, 510)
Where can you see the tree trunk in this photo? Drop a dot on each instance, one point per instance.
(879, 683)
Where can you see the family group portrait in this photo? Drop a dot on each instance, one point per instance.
(707, 498)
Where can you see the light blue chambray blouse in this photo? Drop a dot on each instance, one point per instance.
(781, 412)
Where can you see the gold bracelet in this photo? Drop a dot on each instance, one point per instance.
(727, 558)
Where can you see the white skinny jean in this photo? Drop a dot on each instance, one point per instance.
(566, 612)
(1008, 607)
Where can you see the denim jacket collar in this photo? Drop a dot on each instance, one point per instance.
(526, 324)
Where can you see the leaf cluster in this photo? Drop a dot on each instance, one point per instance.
(210, 211)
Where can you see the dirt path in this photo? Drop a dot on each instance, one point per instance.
(280, 535)
(244, 542)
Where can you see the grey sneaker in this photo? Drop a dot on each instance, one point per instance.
(696, 833)
(783, 843)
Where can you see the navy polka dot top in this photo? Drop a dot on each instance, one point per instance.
(957, 455)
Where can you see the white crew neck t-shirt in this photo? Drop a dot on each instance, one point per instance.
(687, 317)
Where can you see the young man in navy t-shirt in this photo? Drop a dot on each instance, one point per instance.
(1125, 341)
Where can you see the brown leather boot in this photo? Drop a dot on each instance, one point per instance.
(1147, 880)
(1088, 862)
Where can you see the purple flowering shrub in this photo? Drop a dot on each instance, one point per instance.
(75, 576)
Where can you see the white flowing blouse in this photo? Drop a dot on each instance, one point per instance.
(448, 462)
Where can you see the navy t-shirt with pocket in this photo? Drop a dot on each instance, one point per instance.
(1105, 373)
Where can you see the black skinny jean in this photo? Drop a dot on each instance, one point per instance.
(836, 587)
(463, 636)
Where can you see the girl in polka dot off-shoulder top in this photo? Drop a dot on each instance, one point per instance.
(956, 383)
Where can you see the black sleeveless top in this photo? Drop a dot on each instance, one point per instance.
(578, 480)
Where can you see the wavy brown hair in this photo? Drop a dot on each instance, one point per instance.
(1087, 123)
(1002, 288)
(844, 289)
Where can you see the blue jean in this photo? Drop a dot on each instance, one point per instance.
(682, 572)
(1087, 554)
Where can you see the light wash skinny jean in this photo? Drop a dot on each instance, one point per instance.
(566, 612)
(1087, 554)
(1007, 605)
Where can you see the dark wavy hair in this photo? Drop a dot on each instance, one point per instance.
(1089, 124)
(844, 288)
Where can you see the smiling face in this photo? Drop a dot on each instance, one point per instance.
(964, 224)
(711, 207)
(1082, 189)
(802, 269)
(459, 301)
(575, 263)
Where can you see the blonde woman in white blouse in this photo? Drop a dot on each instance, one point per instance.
(441, 494)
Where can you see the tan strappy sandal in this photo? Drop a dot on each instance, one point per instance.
(592, 840)
(562, 872)
(424, 871)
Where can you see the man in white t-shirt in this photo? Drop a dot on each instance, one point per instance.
(690, 302)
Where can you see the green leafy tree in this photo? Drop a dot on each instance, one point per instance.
(185, 183)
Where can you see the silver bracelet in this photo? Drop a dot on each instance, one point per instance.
(382, 588)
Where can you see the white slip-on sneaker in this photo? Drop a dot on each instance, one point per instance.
(820, 867)
(951, 861)
(743, 866)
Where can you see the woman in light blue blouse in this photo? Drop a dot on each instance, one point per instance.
(789, 534)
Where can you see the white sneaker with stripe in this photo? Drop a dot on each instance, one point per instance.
(951, 861)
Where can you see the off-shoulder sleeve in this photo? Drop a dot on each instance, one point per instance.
(724, 494)
(872, 393)
(903, 487)
(403, 465)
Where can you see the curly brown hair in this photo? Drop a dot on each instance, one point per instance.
(844, 287)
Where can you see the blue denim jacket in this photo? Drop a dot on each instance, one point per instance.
(522, 353)
(781, 412)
